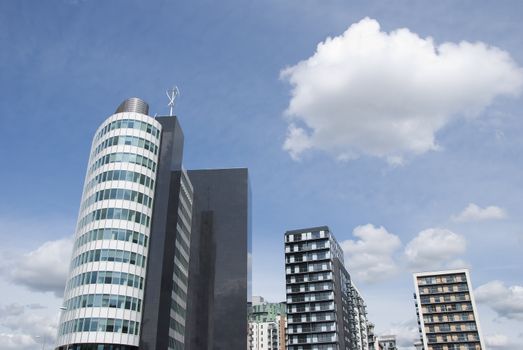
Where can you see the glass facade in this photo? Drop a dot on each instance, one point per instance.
(218, 276)
(129, 285)
(181, 266)
(104, 293)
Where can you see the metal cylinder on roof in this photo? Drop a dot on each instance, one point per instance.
(133, 104)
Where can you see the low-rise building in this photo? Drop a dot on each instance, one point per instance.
(267, 324)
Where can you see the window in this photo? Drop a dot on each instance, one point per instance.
(123, 158)
(99, 325)
(131, 124)
(115, 214)
(106, 277)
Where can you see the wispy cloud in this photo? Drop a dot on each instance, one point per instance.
(369, 92)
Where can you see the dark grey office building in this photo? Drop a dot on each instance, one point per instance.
(324, 309)
(160, 253)
(217, 279)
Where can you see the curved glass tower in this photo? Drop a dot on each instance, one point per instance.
(104, 295)
(160, 254)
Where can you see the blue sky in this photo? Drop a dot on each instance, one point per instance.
(66, 65)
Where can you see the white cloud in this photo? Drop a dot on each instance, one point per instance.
(435, 248)
(406, 333)
(497, 341)
(43, 269)
(502, 341)
(17, 341)
(475, 213)
(26, 328)
(506, 301)
(370, 258)
(387, 94)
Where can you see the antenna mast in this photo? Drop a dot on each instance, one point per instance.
(172, 95)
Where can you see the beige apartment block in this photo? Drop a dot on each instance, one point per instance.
(446, 309)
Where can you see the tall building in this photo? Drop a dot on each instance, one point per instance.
(446, 309)
(220, 249)
(324, 308)
(138, 243)
(267, 323)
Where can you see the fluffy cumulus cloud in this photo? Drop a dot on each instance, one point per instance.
(371, 256)
(435, 248)
(474, 212)
(387, 94)
(43, 269)
(506, 301)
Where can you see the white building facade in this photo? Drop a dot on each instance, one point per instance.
(104, 292)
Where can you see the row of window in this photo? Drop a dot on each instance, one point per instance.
(106, 277)
(180, 310)
(181, 258)
(175, 344)
(466, 316)
(442, 279)
(111, 325)
(455, 347)
(447, 307)
(132, 158)
(115, 255)
(129, 124)
(121, 175)
(118, 193)
(322, 276)
(300, 247)
(128, 141)
(325, 306)
(313, 327)
(115, 214)
(177, 326)
(184, 210)
(96, 346)
(311, 267)
(315, 347)
(313, 338)
(450, 338)
(323, 316)
(307, 257)
(310, 297)
(104, 300)
(428, 299)
(447, 327)
(306, 235)
(180, 242)
(177, 289)
(462, 287)
(116, 234)
(182, 276)
(310, 287)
